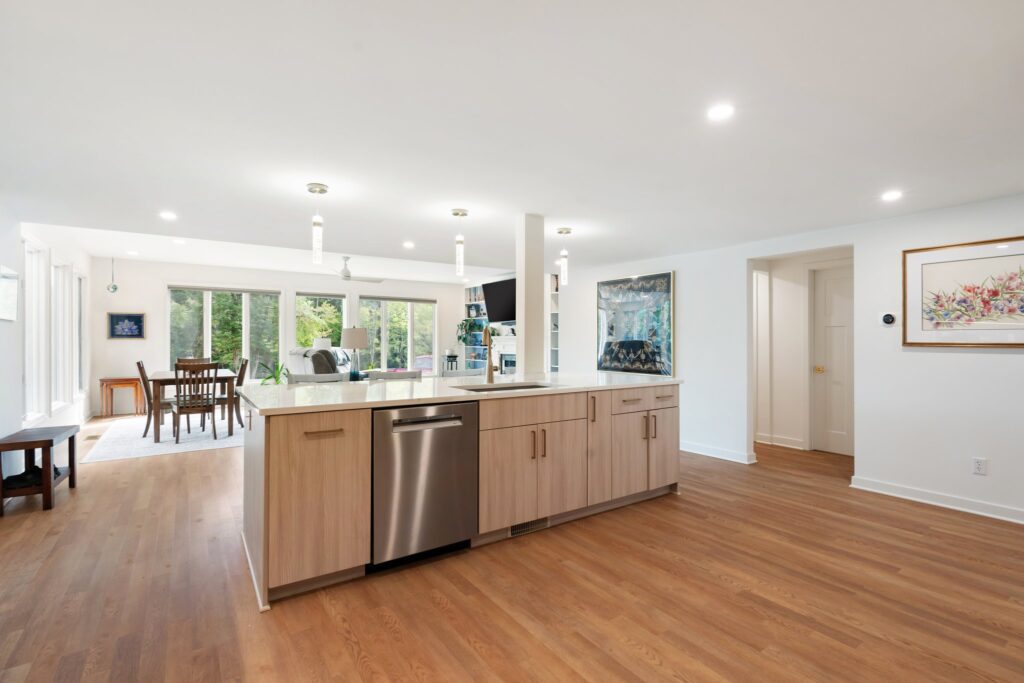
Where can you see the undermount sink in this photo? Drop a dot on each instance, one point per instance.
(509, 386)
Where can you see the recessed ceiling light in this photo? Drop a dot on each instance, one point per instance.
(892, 195)
(178, 240)
(1002, 246)
(168, 215)
(132, 252)
(409, 245)
(723, 111)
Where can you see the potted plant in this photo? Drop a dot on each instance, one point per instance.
(275, 373)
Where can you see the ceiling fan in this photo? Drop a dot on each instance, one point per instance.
(346, 274)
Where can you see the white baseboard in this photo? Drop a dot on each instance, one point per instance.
(763, 438)
(977, 507)
(789, 442)
(720, 453)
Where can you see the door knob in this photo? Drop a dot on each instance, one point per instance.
(819, 369)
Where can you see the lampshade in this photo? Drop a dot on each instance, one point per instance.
(354, 338)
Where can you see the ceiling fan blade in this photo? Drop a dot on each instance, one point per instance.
(366, 279)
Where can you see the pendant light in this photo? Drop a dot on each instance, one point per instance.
(112, 287)
(563, 258)
(317, 189)
(460, 245)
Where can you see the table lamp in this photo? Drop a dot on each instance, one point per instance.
(354, 338)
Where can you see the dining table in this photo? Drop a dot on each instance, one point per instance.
(165, 378)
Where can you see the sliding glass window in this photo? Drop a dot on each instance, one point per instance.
(401, 334)
(225, 326)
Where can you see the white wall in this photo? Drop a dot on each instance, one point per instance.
(921, 414)
(143, 289)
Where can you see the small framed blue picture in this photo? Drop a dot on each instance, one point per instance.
(126, 325)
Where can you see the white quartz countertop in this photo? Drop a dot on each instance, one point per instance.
(284, 399)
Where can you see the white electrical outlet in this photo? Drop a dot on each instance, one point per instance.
(979, 466)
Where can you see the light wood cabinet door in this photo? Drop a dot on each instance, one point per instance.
(508, 476)
(599, 447)
(562, 469)
(663, 448)
(318, 490)
(530, 410)
(629, 454)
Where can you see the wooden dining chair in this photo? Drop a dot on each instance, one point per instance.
(223, 400)
(196, 384)
(165, 405)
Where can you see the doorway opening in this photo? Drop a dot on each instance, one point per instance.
(802, 352)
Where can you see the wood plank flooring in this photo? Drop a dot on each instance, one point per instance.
(772, 572)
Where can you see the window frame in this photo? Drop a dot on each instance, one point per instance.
(410, 330)
(207, 323)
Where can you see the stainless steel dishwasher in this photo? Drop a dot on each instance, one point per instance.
(425, 481)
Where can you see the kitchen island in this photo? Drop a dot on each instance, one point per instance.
(552, 447)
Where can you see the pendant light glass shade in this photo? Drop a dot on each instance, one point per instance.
(460, 255)
(563, 263)
(112, 287)
(318, 239)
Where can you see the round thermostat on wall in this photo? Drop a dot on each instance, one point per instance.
(888, 318)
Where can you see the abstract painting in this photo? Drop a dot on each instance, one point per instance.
(126, 325)
(965, 294)
(634, 324)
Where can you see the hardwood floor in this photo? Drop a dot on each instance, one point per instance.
(776, 571)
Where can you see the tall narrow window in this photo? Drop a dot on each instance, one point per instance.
(61, 334)
(186, 313)
(370, 318)
(37, 350)
(79, 335)
(226, 328)
(318, 316)
(264, 332)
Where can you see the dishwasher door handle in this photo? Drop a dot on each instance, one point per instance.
(422, 424)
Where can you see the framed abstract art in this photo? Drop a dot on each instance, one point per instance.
(126, 325)
(968, 295)
(634, 324)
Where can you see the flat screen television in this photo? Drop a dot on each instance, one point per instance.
(500, 299)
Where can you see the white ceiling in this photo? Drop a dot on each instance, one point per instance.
(589, 112)
(134, 246)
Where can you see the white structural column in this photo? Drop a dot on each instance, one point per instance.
(530, 329)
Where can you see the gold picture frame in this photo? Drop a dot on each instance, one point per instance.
(981, 306)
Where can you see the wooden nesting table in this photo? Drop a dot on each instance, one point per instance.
(46, 439)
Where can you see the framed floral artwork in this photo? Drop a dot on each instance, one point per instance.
(969, 295)
(126, 325)
(634, 324)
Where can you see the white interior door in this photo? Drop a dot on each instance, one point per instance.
(832, 385)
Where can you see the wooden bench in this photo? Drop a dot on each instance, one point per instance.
(45, 438)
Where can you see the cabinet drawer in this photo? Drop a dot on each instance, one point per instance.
(639, 399)
(516, 412)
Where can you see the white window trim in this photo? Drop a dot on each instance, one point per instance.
(37, 322)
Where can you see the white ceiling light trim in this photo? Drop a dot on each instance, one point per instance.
(893, 195)
(317, 189)
(169, 216)
(721, 111)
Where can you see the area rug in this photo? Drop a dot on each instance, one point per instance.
(123, 439)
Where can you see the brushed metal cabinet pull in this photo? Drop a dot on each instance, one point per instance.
(665, 396)
(631, 400)
(645, 426)
(593, 408)
(654, 419)
(533, 438)
(543, 443)
(324, 432)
